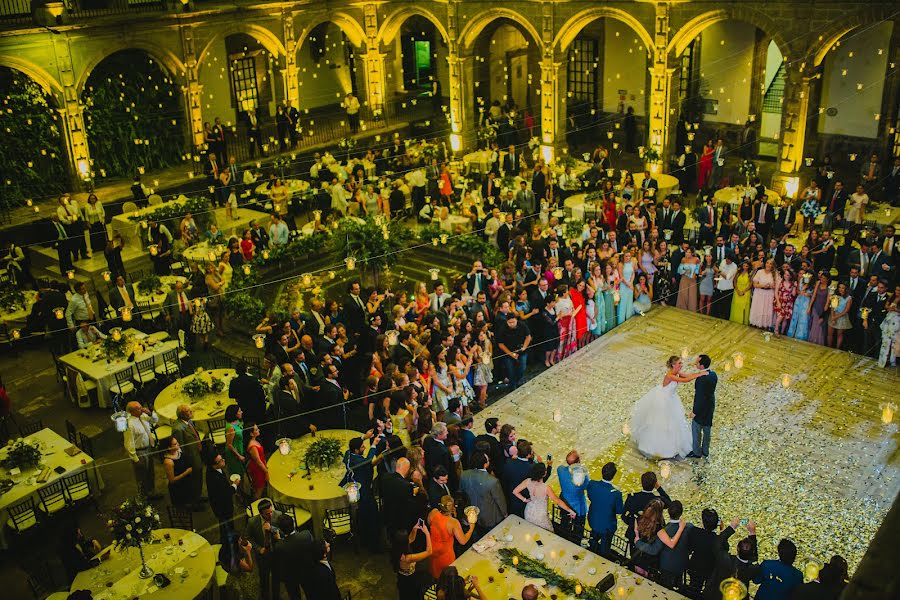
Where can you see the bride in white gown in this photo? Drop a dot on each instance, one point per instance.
(658, 424)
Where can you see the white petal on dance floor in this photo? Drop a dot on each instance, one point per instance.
(810, 460)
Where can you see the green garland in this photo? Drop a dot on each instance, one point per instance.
(536, 569)
(323, 452)
(199, 207)
(198, 386)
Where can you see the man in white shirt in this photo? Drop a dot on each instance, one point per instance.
(278, 231)
(563, 182)
(724, 290)
(87, 334)
(79, 307)
(492, 225)
(351, 105)
(140, 441)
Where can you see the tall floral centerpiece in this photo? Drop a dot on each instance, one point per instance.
(132, 524)
(748, 170)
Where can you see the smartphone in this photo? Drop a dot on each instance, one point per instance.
(421, 523)
(539, 542)
(744, 522)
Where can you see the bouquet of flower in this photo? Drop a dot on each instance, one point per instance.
(22, 455)
(323, 452)
(197, 386)
(748, 170)
(132, 523)
(114, 348)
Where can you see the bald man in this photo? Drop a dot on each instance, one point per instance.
(574, 495)
(530, 592)
(139, 441)
(398, 509)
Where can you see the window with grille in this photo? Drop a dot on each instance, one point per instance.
(581, 70)
(687, 87)
(243, 80)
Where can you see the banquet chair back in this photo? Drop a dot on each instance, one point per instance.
(78, 489)
(86, 444)
(148, 313)
(40, 578)
(53, 497)
(302, 518)
(431, 593)
(145, 371)
(71, 433)
(216, 431)
(170, 366)
(180, 518)
(60, 368)
(22, 516)
(123, 385)
(31, 427)
(619, 548)
(337, 521)
(254, 363)
(129, 207)
(78, 389)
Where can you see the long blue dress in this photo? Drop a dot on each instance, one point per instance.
(626, 294)
(799, 327)
(642, 304)
(600, 304)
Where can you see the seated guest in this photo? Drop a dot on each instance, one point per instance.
(214, 236)
(87, 334)
(77, 550)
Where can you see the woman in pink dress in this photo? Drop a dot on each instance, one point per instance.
(576, 295)
(565, 319)
(762, 306)
(785, 295)
(706, 165)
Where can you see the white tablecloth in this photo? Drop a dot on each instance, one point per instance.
(732, 195)
(93, 364)
(155, 299)
(15, 319)
(53, 446)
(210, 406)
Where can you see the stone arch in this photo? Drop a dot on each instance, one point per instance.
(265, 37)
(391, 26)
(350, 26)
(695, 27)
(826, 41)
(165, 57)
(571, 28)
(41, 77)
(474, 27)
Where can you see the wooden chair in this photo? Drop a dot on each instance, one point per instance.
(53, 497)
(619, 549)
(71, 433)
(129, 207)
(86, 444)
(31, 427)
(170, 365)
(22, 516)
(123, 385)
(40, 579)
(338, 522)
(145, 371)
(302, 518)
(431, 593)
(77, 389)
(181, 518)
(78, 489)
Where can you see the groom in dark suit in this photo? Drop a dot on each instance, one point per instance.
(704, 406)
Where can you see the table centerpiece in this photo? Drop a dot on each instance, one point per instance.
(132, 524)
(323, 453)
(22, 455)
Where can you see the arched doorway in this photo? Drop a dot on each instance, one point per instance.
(134, 116)
(32, 155)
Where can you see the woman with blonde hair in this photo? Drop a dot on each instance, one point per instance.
(445, 528)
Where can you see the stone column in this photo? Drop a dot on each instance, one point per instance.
(461, 71)
(660, 86)
(375, 84)
(80, 165)
(890, 100)
(289, 73)
(553, 103)
(794, 114)
(192, 89)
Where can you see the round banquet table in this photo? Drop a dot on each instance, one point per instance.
(321, 491)
(732, 195)
(479, 161)
(667, 183)
(293, 186)
(199, 253)
(190, 567)
(206, 407)
(18, 315)
(156, 298)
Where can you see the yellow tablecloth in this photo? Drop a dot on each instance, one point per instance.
(155, 299)
(293, 186)
(93, 364)
(321, 491)
(210, 406)
(117, 578)
(53, 447)
(732, 195)
(199, 253)
(479, 161)
(667, 183)
(556, 552)
(16, 318)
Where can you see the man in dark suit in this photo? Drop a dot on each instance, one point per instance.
(321, 584)
(262, 531)
(892, 183)
(649, 183)
(485, 492)
(491, 187)
(212, 168)
(477, 280)
(526, 199)
(875, 305)
(179, 309)
(678, 221)
(637, 501)
(397, 495)
(292, 557)
(834, 209)
(709, 222)
(673, 561)
(494, 451)
(515, 471)
(188, 438)
(704, 407)
(249, 394)
(762, 216)
(354, 311)
(330, 398)
(704, 543)
(784, 218)
(512, 162)
(438, 486)
(855, 257)
(121, 294)
(436, 451)
(605, 503)
(221, 495)
(259, 236)
(403, 354)
(504, 233)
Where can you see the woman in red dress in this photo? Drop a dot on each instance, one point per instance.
(576, 294)
(256, 466)
(610, 215)
(706, 165)
(446, 184)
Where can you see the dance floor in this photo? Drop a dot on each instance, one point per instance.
(798, 441)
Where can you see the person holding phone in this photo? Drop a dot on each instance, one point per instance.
(409, 582)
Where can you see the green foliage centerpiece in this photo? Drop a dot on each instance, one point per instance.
(132, 524)
(533, 568)
(372, 242)
(149, 284)
(23, 455)
(11, 298)
(748, 170)
(323, 452)
(197, 386)
(114, 348)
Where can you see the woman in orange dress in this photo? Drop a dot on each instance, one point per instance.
(446, 186)
(444, 529)
(706, 165)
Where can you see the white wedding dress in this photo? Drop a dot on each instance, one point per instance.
(658, 423)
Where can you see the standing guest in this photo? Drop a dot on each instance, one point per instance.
(80, 307)
(890, 331)
(234, 440)
(688, 269)
(178, 472)
(513, 340)
(706, 283)
(257, 470)
(762, 306)
(76, 551)
(221, 488)
(705, 543)
(605, 504)
(351, 107)
(723, 293)
(322, 582)
(436, 451)
(247, 391)
(627, 271)
(799, 326)
(740, 304)
(703, 408)
(574, 496)
(483, 491)
(870, 173)
(840, 305)
(856, 211)
(538, 493)
(95, 219)
(404, 560)
(650, 537)
(778, 579)
(184, 431)
(565, 320)
(673, 559)
(638, 500)
(291, 557)
(278, 231)
(139, 441)
(398, 498)
(262, 531)
(785, 297)
(816, 310)
(445, 528)
(516, 470)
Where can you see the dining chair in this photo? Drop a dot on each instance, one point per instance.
(86, 444)
(71, 433)
(22, 516)
(52, 497)
(619, 547)
(78, 489)
(431, 593)
(170, 365)
(337, 521)
(123, 385)
(145, 371)
(39, 576)
(129, 207)
(181, 518)
(77, 389)
(31, 427)
(302, 518)
(149, 314)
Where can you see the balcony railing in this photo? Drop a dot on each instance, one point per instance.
(19, 12)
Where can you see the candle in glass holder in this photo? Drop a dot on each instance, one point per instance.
(125, 313)
(107, 276)
(626, 428)
(887, 412)
(471, 513)
(577, 589)
(835, 301)
(317, 215)
(350, 262)
(246, 268)
(444, 238)
(116, 333)
(785, 380)
(738, 361)
(515, 560)
(70, 274)
(154, 249)
(59, 312)
(665, 469)
(259, 340)
(16, 334)
(284, 446)
(434, 274)
(557, 415)
(352, 489)
(306, 278)
(434, 241)
(265, 255)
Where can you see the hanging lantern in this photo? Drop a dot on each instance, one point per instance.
(392, 336)
(864, 313)
(733, 589)
(810, 571)
(125, 313)
(557, 415)
(434, 274)
(616, 296)
(331, 274)
(515, 560)
(665, 469)
(808, 160)
(577, 589)
(352, 489)
(434, 241)
(59, 312)
(350, 262)
(107, 276)
(852, 156)
(120, 418)
(141, 170)
(212, 189)
(444, 238)
(887, 412)
(154, 249)
(259, 340)
(721, 162)
(609, 134)
(198, 303)
(16, 334)
(246, 268)
(471, 513)
(306, 278)
(738, 361)
(265, 255)
(116, 333)
(579, 473)
(317, 214)
(284, 446)
(586, 156)
(835, 301)
(785, 381)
